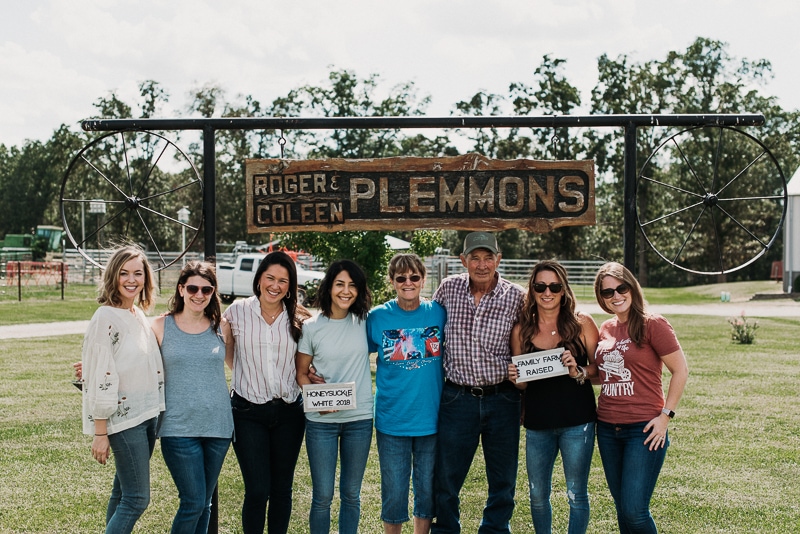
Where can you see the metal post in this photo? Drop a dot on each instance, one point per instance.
(629, 229)
(63, 278)
(19, 281)
(209, 192)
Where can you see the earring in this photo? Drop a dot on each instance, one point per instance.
(288, 295)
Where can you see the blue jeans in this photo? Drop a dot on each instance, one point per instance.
(324, 441)
(396, 455)
(130, 494)
(195, 464)
(464, 420)
(631, 473)
(576, 444)
(267, 443)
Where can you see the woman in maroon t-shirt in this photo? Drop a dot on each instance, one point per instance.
(632, 412)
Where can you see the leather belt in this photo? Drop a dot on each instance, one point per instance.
(482, 391)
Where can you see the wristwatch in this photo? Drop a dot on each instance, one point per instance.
(668, 412)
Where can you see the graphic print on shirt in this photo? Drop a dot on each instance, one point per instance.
(411, 345)
(614, 366)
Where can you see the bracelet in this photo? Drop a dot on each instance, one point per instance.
(582, 375)
(101, 434)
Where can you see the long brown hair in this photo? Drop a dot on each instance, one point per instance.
(206, 271)
(109, 288)
(296, 312)
(569, 328)
(637, 316)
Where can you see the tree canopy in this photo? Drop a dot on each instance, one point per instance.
(704, 78)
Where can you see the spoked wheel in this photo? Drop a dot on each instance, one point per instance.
(711, 200)
(132, 187)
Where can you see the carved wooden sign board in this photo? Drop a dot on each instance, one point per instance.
(467, 192)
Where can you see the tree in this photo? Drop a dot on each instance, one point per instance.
(346, 95)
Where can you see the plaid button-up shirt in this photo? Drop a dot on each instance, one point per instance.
(477, 350)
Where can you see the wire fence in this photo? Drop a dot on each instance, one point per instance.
(51, 279)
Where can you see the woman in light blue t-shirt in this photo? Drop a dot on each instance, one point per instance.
(335, 343)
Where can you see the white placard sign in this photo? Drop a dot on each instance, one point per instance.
(328, 397)
(538, 365)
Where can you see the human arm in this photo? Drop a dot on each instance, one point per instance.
(158, 328)
(227, 337)
(516, 349)
(679, 371)
(303, 364)
(101, 448)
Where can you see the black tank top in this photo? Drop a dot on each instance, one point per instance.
(559, 401)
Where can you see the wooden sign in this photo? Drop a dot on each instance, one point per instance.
(467, 192)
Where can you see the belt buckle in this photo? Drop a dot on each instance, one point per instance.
(477, 391)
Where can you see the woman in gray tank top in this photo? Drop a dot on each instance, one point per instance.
(197, 425)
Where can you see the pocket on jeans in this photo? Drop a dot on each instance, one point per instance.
(450, 395)
(238, 404)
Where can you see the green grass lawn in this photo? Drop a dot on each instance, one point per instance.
(733, 465)
(80, 303)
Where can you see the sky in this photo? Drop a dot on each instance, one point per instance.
(58, 57)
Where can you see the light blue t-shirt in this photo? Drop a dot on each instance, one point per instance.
(338, 348)
(409, 375)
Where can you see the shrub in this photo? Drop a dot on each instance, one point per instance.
(742, 331)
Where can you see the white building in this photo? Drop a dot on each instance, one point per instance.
(791, 236)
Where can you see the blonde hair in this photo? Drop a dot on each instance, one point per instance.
(109, 288)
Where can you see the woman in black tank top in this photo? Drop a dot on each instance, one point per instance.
(559, 410)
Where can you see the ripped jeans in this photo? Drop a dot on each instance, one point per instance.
(576, 444)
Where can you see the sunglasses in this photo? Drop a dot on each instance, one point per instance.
(540, 287)
(608, 292)
(206, 290)
(402, 279)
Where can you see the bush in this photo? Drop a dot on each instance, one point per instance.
(743, 332)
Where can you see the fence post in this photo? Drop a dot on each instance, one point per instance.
(19, 281)
(63, 279)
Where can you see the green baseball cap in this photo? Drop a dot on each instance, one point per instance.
(480, 240)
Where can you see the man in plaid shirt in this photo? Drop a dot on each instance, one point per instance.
(478, 401)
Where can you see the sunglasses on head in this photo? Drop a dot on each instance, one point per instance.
(192, 289)
(402, 279)
(555, 287)
(608, 292)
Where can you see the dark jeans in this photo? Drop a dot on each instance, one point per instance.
(464, 420)
(267, 443)
(130, 494)
(631, 473)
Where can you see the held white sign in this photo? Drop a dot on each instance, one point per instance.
(329, 397)
(538, 365)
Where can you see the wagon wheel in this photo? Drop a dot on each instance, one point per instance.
(132, 187)
(711, 200)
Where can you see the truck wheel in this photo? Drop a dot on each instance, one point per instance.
(227, 299)
(301, 296)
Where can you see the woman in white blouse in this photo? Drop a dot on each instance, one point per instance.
(123, 390)
(267, 407)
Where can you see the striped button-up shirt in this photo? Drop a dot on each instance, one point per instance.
(477, 350)
(264, 354)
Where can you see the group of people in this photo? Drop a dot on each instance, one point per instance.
(444, 384)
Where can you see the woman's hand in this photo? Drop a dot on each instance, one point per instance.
(568, 361)
(513, 373)
(101, 449)
(658, 432)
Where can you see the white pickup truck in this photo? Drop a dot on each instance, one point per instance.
(236, 279)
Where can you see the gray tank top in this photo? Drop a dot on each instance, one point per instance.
(196, 390)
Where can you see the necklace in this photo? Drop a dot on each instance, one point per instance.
(271, 316)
